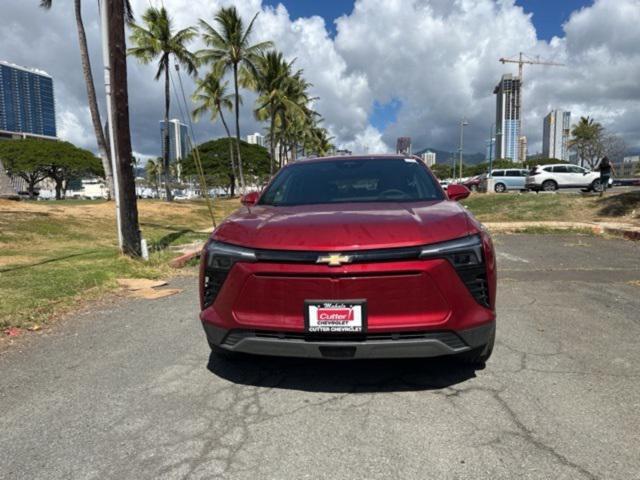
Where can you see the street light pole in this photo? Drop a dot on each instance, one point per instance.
(463, 123)
(491, 142)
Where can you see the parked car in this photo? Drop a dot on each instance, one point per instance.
(351, 257)
(473, 183)
(509, 179)
(552, 177)
(444, 184)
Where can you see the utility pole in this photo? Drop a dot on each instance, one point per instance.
(521, 61)
(119, 124)
(463, 123)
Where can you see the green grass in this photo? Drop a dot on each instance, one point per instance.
(513, 207)
(55, 255)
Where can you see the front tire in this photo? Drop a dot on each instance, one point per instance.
(549, 186)
(500, 187)
(596, 186)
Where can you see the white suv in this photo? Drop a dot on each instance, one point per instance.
(552, 177)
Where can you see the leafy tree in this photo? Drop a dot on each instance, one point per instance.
(587, 140)
(441, 170)
(91, 90)
(211, 96)
(34, 160)
(216, 163)
(157, 39)
(153, 169)
(229, 49)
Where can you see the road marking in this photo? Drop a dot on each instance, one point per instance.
(512, 258)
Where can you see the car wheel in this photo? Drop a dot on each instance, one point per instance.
(549, 186)
(596, 186)
(500, 187)
(478, 356)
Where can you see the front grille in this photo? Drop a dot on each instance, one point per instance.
(447, 337)
(475, 278)
(213, 280)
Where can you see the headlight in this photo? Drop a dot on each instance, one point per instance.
(219, 258)
(222, 256)
(461, 252)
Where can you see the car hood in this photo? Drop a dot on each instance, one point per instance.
(348, 226)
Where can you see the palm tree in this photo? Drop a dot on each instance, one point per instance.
(157, 39)
(154, 172)
(103, 148)
(587, 140)
(211, 96)
(229, 48)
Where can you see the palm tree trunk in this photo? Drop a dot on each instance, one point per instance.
(237, 101)
(272, 141)
(233, 164)
(93, 102)
(120, 106)
(165, 154)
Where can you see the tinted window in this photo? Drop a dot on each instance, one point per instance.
(547, 169)
(560, 169)
(498, 173)
(341, 181)
(574, 169)
(514, 173)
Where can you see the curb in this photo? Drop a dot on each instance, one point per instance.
(629, 232)
(183, 259)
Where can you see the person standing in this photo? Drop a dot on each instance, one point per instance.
(605, 167)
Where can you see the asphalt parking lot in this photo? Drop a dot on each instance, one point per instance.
(128, 390)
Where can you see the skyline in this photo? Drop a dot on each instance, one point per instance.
(372, 89)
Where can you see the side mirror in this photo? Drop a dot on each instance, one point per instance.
(458, 192)
(250, 199)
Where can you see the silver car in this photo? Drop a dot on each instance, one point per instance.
(505, 179)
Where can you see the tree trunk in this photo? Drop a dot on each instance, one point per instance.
(272, 141)
(233, 164)
(103, 150)
(237, 99)
(165, 154)
(58, 188)
(232, 184)
(120, 108)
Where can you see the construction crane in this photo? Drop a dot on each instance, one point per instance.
(522, 61)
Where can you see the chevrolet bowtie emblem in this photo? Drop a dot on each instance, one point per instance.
(334, 259)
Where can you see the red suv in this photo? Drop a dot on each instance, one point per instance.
(351, 257)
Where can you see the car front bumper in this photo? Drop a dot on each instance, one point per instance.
(388, 345)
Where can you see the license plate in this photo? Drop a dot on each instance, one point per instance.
(335, 316)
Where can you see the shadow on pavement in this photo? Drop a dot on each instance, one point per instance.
(353, 376)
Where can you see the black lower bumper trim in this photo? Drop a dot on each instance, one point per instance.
(387, 345)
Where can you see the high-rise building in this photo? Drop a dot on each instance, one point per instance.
(491, 150)
(508, 117)
(179, 144)
(522, 148)
(256, 139)
(403, 145)
(629, 166)
(429, 158)
(27, 103)
(556, 129)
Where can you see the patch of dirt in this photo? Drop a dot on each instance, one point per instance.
(15, 260)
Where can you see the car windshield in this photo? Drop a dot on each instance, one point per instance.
(352, 180)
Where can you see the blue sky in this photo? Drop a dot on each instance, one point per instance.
(548, 18)
(548, 15)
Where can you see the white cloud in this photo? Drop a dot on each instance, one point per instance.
(438, 57)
